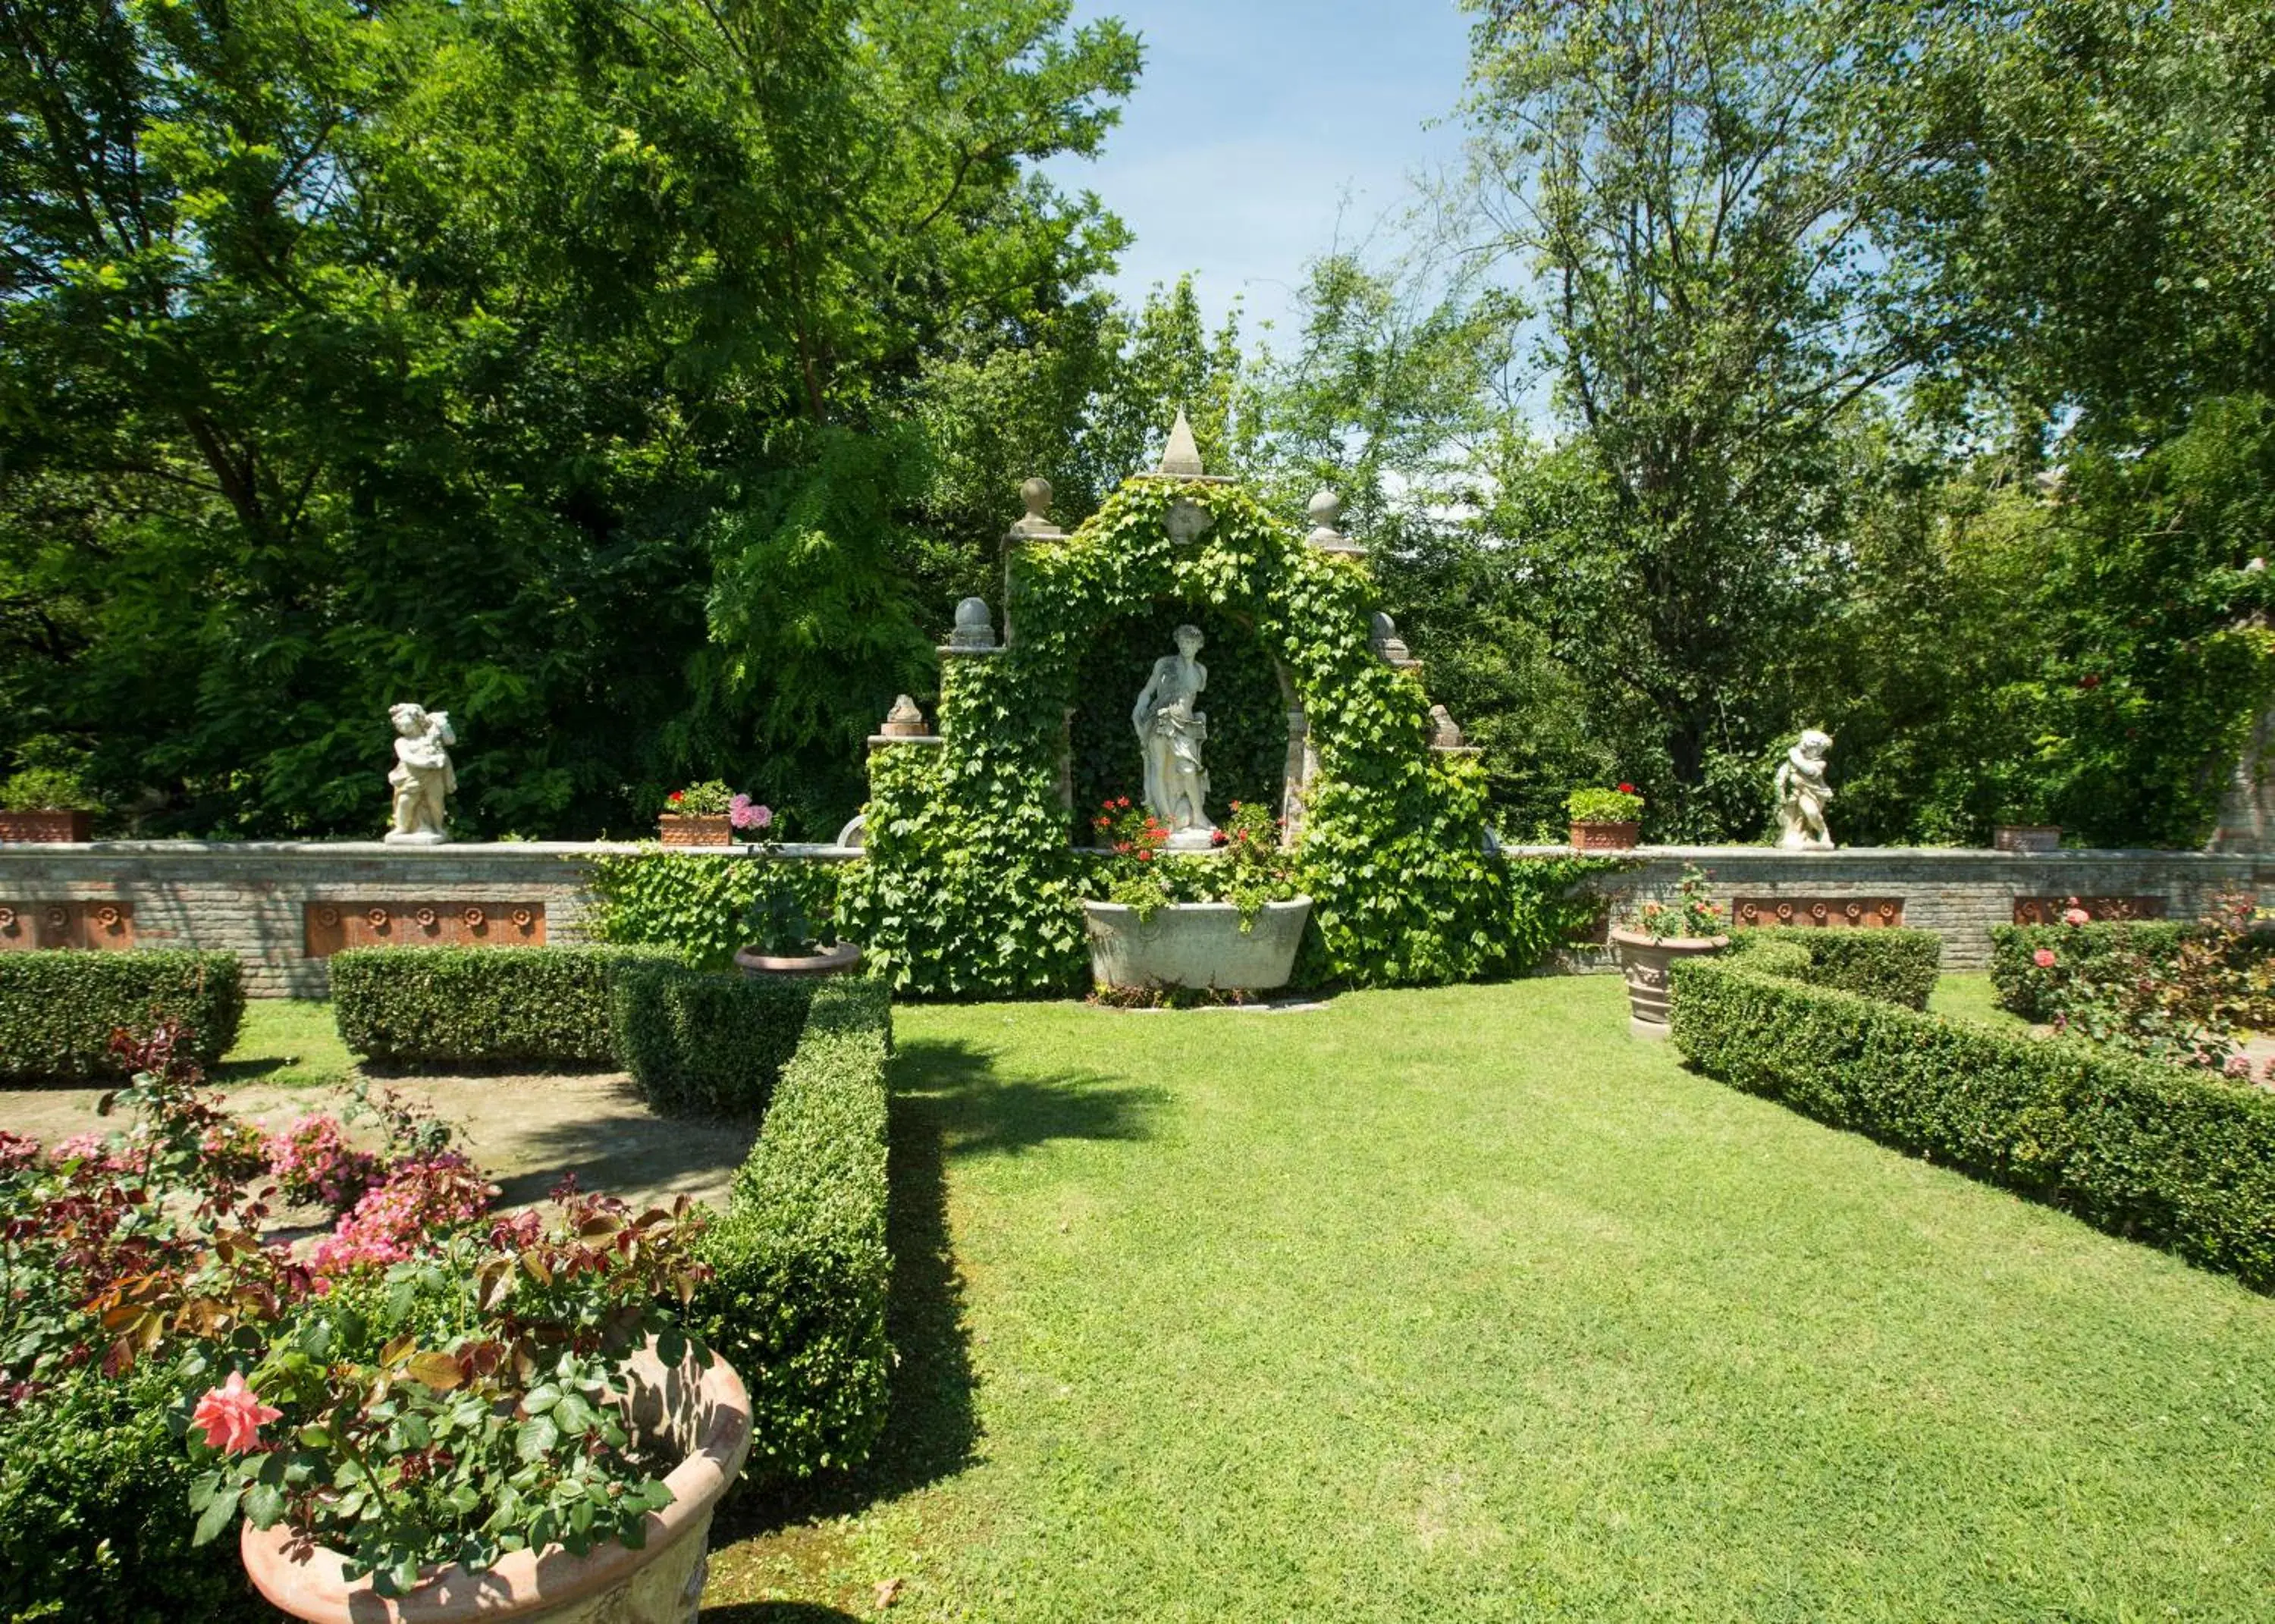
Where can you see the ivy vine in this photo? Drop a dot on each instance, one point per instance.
(972, 887)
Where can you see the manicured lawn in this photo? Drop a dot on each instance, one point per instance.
(1973, 998)
(1465, 1305)
(290, 1042)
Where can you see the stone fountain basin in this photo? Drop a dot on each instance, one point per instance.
(1195, 945)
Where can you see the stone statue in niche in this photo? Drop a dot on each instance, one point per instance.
(1171, 731)
(1803, 793)
(422, 774)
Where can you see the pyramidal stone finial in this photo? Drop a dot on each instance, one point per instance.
(1183, 459)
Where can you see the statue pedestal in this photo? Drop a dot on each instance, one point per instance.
(1192, 840)
(416, 837)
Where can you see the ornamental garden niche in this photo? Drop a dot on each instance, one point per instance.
(977, 834)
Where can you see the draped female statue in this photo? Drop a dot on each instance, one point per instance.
(1171, 731)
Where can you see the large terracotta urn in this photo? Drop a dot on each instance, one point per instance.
(705, 1413)
(1646, 960)
(1195, 945)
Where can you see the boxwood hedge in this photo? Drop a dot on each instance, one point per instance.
(800, 1269)
(2178, 1157)
(58, 1007)
(1895, 966)
(694, 1040)
(481, 1006)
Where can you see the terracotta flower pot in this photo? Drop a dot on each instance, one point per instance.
(1645, 962)
(2027, 837)
(706, 1413)
(695, 829)
(45, 828)
(835, 960)
(1606, 836)
(1196, 945)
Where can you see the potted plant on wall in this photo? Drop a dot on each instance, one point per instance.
(699, 815)
(46, 804)
(786, 939)
(1227, 919)
(1659, 933)
(1605, 820)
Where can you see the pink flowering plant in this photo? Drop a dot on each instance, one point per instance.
(426, 1384)
(2184, 1003)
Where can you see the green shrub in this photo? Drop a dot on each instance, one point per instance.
(697, 1041)
(1895, 966)
(1766, 955)
(484, 1006)
(94, 1509)
(695, 905)
(2026, 989)
(46, 788)
(2176, 1157)
(58, 1007)
(800, 1269)
(1592, 805)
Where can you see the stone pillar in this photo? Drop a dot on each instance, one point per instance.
(2246, 810)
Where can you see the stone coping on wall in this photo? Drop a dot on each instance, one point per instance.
(441, 851)
(1958, 892)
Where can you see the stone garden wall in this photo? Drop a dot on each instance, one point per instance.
(1958, 894)
(284, 909)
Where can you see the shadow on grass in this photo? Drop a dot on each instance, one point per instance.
(946, 1102)
(982, 1114)
(771, 1613)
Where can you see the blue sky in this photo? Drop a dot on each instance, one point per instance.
(1257, 122)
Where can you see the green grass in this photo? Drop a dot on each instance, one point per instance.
(1466, 1305)
(1973, 998)
(288, 1041)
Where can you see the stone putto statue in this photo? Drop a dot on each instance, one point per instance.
(422, 774)
(1803, 793)
(1171, 731)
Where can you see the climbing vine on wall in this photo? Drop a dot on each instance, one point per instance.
(971, 887)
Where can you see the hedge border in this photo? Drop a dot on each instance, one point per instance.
(58, 1006)
(694, 1040)
(2140, 1149)
(1895, 965)
(801, 1269)
(538, 1006)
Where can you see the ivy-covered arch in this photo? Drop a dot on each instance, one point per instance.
(972, 887)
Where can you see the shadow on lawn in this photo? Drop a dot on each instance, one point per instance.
(982, 1114)
(771, 1613)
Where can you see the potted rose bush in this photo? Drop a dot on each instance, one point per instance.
(1605, 820)
(496, 1415)
(1657, 934)
(1226, 919)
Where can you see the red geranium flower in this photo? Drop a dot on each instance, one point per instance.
(677, 795)
(1627, 788)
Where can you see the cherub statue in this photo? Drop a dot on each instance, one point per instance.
(1803, 793)
(1171, 732)
(422, 774)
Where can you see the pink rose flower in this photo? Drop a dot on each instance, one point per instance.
(2076, 916)
(232, 1416)
(2237, 1066)
(2043, 958)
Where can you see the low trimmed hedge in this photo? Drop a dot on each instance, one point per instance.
(800, 1269)
(481, 1006)
(58, 1007)
(1896, 966)
(693, 1040)
(2026, 990)
(2181, 1160)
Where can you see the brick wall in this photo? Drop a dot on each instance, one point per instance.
(252, 898)
(1960, 895)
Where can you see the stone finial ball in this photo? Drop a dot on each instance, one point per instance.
(1327, 508)
(972, 615)
(1385, 628)
(1036, 493)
